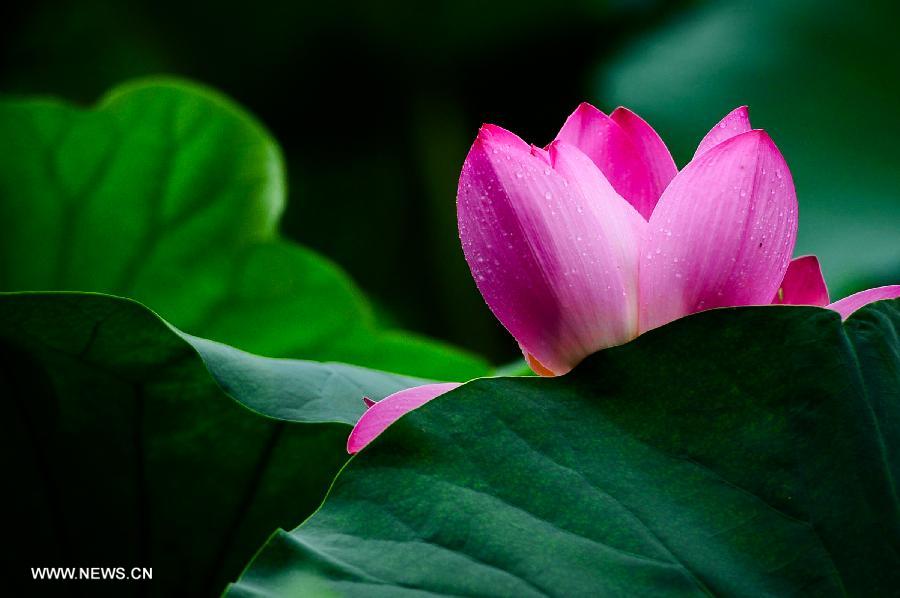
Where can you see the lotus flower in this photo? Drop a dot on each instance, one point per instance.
(597, 238)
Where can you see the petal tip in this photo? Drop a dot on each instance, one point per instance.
(621, 113)
(485, 132)
(496, 136)
(353, 444)
(753, 137)
(733, 124)
(584, 113)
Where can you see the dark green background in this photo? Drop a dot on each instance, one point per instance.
(375, 105)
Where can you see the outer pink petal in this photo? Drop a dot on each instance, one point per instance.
(848, 305)
(626, 149)
(388, 410)
(735, 122)
(553, 249)
(803, 283)
(722, 233)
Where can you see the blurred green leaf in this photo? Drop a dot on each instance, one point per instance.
(815, 75)
(124, 452)
(762, 461)
(169, 193)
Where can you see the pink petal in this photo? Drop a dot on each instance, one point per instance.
(660, 165)
(722, 233)
(803, 283)
(382, 414)
(552, 247)
(626, 149)
(848, 305)
(735, 122)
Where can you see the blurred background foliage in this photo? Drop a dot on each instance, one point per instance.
(375, 104)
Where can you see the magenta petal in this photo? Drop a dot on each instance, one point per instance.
(552, 247)
(722, 233)
(654, 153)
(735, 122)
(627, 151)
(803, 283)
(382, 414)
(848, 305)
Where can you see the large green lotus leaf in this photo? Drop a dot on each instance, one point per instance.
(123, 450)
(168, 193)
(814, 74)
(737, 452)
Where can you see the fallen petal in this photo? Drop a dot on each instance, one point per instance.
(382, 414)
(848, 305)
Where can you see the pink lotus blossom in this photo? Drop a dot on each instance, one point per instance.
(597, 238)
